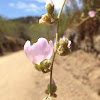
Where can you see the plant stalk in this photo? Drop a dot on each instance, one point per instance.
(54, 54)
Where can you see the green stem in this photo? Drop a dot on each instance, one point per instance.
(58, 17)
(61, 9)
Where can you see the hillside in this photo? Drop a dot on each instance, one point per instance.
(27, 20)
(14, 33)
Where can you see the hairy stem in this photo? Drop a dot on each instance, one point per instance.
(58, 17)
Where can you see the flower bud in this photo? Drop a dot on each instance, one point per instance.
(63, 43)
(63, 48)
(46, 19)
(63, 52)
(53, 87)
(49, 8)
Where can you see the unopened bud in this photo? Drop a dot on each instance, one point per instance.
(64, 52)
(64, 47)
(45, 19)
(52, 89)
(63, 43)
(49, 8)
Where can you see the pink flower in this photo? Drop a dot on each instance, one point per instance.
(92, 14)
(39, 51)
(49, 1)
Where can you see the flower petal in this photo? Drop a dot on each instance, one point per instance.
(39, 51)
(49, 50)
(28, 52)
(49, 1)
(26, 46)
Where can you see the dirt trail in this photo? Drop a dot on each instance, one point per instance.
(73, 75)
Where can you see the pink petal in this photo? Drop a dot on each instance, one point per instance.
(49, 50)
(39, 51)
(26, 46)
(51, 2)
(92, 14)
(27, 51)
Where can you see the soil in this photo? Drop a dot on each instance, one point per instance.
(77, 77)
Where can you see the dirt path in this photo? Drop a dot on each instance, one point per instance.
(20, 81)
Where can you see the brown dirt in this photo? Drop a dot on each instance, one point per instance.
(77, 77)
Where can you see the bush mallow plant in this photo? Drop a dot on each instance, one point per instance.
(40, 52)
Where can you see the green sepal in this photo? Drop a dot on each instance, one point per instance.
(38, 67)
(45, 64)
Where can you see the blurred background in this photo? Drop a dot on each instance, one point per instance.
(19, 21)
